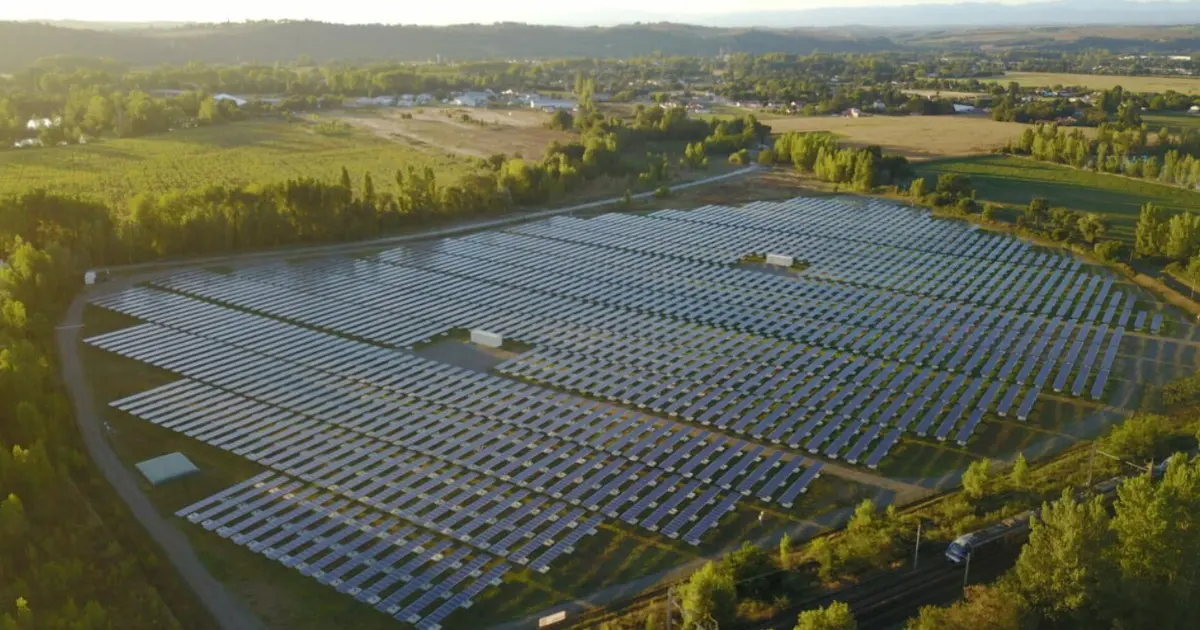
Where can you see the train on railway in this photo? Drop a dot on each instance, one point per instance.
(1015, 527)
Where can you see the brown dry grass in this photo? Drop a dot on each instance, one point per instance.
(915, 137)
(1185, 85)
(506, 131)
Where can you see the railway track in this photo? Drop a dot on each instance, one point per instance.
(881, 603)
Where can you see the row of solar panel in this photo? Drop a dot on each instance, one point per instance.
(371, 556)
(357, 365)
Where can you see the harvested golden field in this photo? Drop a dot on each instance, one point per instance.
(485, 133)
(1185, 85)
(915, 137)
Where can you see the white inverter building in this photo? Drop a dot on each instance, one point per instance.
(484, 338)
(779, 260)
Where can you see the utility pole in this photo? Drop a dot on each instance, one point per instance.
(670, 592)
(1091, 464)
(917, 547)
(967, 571)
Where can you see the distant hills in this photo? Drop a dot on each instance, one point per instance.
(22, 43)
(988, 14)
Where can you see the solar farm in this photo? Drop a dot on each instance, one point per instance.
(660, 380)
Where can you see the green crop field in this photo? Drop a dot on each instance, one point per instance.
(1012, 180)
(237, 153)
(1186, 85)
(1175, 122)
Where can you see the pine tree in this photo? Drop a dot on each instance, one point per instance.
(1020, 471)
(368, 189)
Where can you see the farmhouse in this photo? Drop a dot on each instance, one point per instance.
(964, 109)
(1195, 110)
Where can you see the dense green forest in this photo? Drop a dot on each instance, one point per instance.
(71, 557)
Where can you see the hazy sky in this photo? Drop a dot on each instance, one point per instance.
(405, 11)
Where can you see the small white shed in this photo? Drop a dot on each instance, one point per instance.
(89, 277)
(485, 338)
(780, 260)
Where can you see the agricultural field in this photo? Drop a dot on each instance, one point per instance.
(486, 131)
(1184, 85)
(915, 137)
(248, 152)
(633, 421)
(1175, 122)
(1015, 181)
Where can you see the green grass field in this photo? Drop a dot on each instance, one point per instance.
(1012, 180)
(1175, 122)
(239, 153)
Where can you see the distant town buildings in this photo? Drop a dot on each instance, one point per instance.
(473, 99)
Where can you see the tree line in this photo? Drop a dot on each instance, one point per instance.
(238, 218)
(1172, 159)
(821, 155)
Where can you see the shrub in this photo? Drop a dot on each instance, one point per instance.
(662, 192)
(1111, 251)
